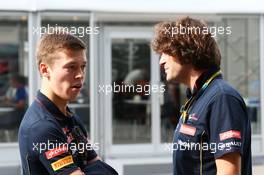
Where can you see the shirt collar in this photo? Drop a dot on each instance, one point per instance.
(51, 107)
(201, 80)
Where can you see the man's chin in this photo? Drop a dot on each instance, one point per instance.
(169, 79)
(72, 97)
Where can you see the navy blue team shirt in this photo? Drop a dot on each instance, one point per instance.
(217, 124)
(44, 134)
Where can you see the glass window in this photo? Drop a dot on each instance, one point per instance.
(131, 105)
(13, 75)
(170, 108)
(241, 60)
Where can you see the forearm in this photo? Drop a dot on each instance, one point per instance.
(77, 172)
(229, 164)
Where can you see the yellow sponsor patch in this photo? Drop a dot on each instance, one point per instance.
(62, 163)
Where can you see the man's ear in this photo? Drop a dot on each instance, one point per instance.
(44, 70)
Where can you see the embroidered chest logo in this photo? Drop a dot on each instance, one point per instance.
(193, 117)
(68, 134)
(187, 129)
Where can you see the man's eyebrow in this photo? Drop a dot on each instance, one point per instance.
(75, 62)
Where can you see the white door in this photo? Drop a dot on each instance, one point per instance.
(131, 91)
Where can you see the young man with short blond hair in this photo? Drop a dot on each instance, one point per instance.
(50, 135)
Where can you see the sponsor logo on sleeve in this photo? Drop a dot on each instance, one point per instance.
(56, 151)
(187, 129)
(230, 134)
(62, 163)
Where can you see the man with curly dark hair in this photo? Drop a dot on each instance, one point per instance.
(213, 135)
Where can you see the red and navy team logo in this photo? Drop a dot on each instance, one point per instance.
(230, 134)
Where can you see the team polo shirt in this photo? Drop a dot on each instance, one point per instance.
(49, 141)
(217, 124)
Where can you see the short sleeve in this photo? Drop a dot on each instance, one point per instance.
(49, 144)
(228, 125)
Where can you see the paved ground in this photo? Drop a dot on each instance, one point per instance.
(258, 170)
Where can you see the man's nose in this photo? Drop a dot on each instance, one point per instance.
(80, 73)
(162, 61)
